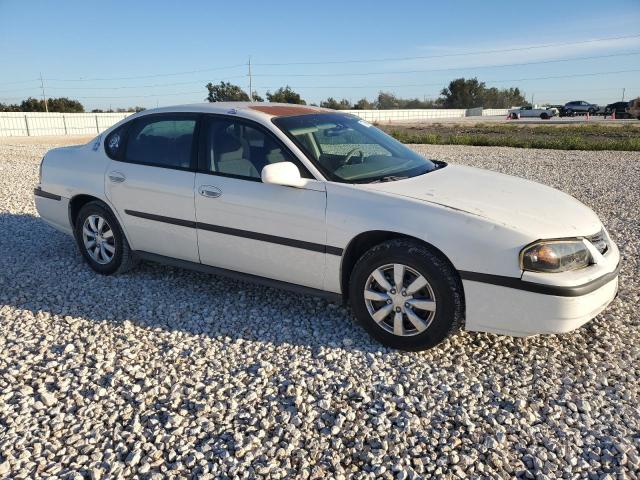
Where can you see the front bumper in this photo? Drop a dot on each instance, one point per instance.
(540, 303)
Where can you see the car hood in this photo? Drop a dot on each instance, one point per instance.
(513, 202)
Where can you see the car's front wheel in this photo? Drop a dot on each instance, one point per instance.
(544, 116)
(101, 241)
(406, 295)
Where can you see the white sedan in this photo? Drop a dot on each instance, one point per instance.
(529, 111)
(321, 202)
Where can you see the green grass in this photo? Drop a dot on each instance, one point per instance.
(591, 137)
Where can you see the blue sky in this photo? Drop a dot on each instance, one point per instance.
(101, 52)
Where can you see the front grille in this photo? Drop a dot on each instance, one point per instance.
(599, 240)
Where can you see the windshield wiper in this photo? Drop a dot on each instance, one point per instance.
(388, 178)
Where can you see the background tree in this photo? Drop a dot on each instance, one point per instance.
(471, 93)
(62, 105)
(285, 95)
(331, 102)
(504, 98)
(463, 93)
(363, 104)
(226, 92)
(256, 98)
(6, 107)
(387, 101)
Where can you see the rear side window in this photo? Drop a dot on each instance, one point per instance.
(114, 143)
(162, 141)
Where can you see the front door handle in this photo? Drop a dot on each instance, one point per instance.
(209, 191)
(117, 177)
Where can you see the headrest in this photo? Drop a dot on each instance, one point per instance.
(226, 142)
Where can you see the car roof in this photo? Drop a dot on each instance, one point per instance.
(254, 110)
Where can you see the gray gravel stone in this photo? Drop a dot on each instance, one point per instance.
(168, 373)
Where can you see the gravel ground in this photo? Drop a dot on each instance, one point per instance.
(168, 373)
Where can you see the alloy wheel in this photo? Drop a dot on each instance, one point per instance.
(400, 299)
(98, 239)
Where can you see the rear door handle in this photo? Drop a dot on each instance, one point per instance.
(117, 177)
(209, 191)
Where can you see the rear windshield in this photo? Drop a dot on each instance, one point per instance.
(347, 149)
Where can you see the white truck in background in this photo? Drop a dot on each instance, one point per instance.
(530, 111)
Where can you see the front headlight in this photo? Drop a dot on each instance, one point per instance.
(555, 256)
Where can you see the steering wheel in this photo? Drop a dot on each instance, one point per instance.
(349, 156)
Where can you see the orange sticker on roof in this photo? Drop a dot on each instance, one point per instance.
(284, 111)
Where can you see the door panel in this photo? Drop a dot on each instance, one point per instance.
(155, 192)
(261, 229)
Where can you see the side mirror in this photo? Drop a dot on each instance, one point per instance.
(282, 173)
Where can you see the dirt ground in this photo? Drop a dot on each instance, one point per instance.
(58, 140)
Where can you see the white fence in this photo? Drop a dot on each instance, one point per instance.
(495, 111)
(408, 115)
(418, 114)
(23, 124)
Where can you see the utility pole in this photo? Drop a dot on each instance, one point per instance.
(250, 83)
(44, 97)
(623, 94)
(532, 99)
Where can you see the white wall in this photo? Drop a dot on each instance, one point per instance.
(495, 111)
(408, 115)
(17, 124)
(22, 124)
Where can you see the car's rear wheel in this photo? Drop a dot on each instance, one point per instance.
(514, 116)
(544, 116)
(406, 295)
(101, 241)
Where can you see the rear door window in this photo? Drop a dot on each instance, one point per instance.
(162, 141)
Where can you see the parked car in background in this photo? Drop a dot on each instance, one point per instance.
(617, 108)
(529, 111)
(634, 108)
(580, 106)
(322, 202)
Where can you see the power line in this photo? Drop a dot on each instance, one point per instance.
(477, 52)
(192, 82)
(138, 77)
(199, 92)
(44, 97)
(440, 83)
(119, 87)
(147, 76)
(391, 72)
(330, 62)
(160, 94)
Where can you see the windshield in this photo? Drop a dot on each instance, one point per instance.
(347, 149)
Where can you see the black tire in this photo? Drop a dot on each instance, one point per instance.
(569, 113)
(443, 280)
(514, 116)
(123, 258)
(544, 116)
